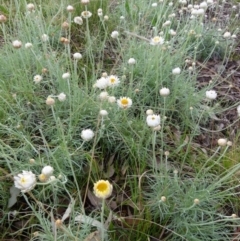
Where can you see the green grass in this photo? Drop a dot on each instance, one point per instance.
(156, 174)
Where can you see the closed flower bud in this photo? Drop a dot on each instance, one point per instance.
(66, 75)
(87, 134)
(149, 112)
(114, 34)
(111, 99)
(43, 178)
(50, 101)
(61, 97)
(3, 18)
(30, 7)
(84, 2)
(196, 201)
(222, 142)
(103, 95)
(77, 56)
(103, 113)
(45, 38)
(65, 25)
(70, 8)
(28, 45)
(157, 128)
(163, 198)
(131, 61)
(164, 92)
(17, 44)
(106, 18)
(58, 223)
(176, 71)
(211, 94)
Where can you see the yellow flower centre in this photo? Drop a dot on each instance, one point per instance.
(153, 118)
(102, 187)
(112, 80)
(156, 39)
(124, 101)
(23, 180)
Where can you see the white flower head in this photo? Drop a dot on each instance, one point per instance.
(103, 95)
(157, 40)
(101, 83)
(167, 23)
(30, 7)
(28, 45)
(227, 35)
(78, 20)
(77, 56)
(164, 92)
(45, 37)
(149, 112)
(70, 8)
(61, 97)
(86, 14)
(203, 5)
(66, 75)
(103, 113)
(222, 142)
(153, 120)
(37, 78)
(114, 34)
(3, 18)
(25, 181)
(85, 2)
(106, 18)
(17, 44)
(47, 171)
(176, 71)
(211, 94)
(131, 61)
(124, 102)
(172, 32)
(100, 12)
(50, 101)
(154, 5)
(113, 81)
(87, 134)
(111, 99)
(238, 110)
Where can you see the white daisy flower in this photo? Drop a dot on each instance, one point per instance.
(101, 83)
(153, 120)
(25, 181)
(37, 78)
(124, 102)
(113, 81)
(157, 40)
(86, 14)
(78, 20)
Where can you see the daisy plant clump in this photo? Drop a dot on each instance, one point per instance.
(144, 98)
